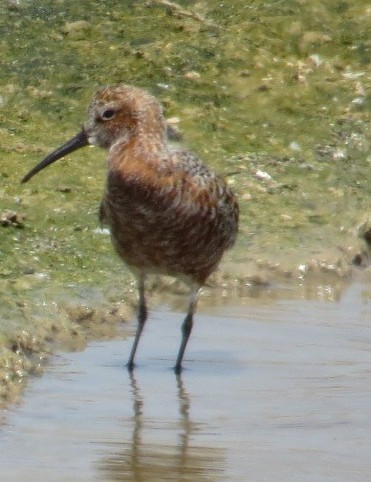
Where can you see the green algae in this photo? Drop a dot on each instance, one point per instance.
(278, 92)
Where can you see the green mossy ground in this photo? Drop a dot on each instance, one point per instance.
(278, 92)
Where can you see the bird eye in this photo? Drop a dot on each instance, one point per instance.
(108, 114)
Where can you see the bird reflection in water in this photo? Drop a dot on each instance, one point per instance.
(175, 456)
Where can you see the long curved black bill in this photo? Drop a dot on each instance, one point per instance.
(80, 140)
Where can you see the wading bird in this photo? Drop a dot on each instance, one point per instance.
(167, 212)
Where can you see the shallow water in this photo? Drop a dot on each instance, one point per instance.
(272, 390)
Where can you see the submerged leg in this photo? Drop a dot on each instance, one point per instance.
(187, 328)
(142, 316)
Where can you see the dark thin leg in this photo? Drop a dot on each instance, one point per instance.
(186, 329)
(142, 316)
